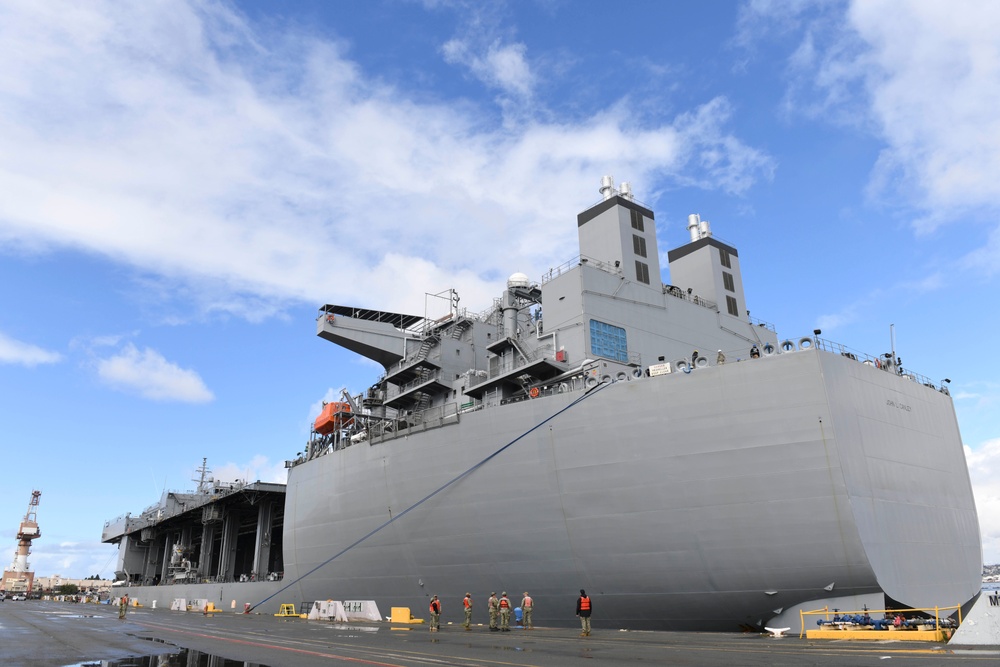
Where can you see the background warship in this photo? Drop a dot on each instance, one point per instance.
(650, 443)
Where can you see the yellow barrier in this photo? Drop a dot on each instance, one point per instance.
(287, 610)
(850, 630)
(402, 615)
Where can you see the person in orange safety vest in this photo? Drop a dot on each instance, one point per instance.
(504, 613)
(467, 602)
(583, 609)
(435, 614)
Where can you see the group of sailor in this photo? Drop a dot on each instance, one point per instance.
(499, 608)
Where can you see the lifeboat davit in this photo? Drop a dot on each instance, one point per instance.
(333, 418)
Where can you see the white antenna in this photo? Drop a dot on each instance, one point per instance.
(892, 343)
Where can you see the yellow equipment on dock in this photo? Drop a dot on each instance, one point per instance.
(287, 610)
(403, 615)
(846, 625)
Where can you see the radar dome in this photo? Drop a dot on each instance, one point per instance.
(518, 280)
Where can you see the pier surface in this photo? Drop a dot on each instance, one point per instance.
(55, 634)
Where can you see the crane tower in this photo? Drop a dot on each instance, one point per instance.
(19, 578)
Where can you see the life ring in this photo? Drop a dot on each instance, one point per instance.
(787, 346)
(805, 343)
(878, 363)
(768, 349)
(563, 387)
(533, 392)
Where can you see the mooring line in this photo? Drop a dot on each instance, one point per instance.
(587, 394)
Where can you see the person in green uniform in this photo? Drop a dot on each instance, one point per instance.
(527, 604)
(494, 609)
(435, 610)
(467, 602)
(504, 612)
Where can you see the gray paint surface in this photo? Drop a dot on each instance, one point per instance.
(711, 498)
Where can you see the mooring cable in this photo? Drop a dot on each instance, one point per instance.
(590, 392)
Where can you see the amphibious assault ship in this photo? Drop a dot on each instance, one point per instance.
(651, 443)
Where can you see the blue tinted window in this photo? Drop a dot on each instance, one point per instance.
(608, 341)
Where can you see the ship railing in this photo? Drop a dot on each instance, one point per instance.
(580, 260)
(915, 617)
(510, 364)
(415, 422)
(678, 293)
(563, 386)
(432, 326)
(883, 362)
(155, 514)
(214, 579)
(419, 380)
(757, 322)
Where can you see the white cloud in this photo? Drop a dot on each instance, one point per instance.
(73, 560)
(984, 469)
(258, 468)
(174, 139)
(147, 373)
(866, 303)
(935, 89)
(923, 76)
(13, 351)
(500, 66)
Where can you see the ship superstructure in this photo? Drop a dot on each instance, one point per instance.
(602, 316)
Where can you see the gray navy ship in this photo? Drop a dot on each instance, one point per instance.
(650, 443)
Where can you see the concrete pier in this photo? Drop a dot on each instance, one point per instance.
(52, 634)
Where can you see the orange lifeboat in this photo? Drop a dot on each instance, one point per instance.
(332, 418)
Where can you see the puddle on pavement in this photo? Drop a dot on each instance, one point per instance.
(183, 658)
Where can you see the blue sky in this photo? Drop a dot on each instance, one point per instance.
(183, 184)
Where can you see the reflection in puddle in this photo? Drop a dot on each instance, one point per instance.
(184, 658)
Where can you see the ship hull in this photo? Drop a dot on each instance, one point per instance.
(708, 500)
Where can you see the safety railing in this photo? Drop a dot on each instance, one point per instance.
(862, 618)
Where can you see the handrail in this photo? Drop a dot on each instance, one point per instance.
(826, 611)
(882, 362)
